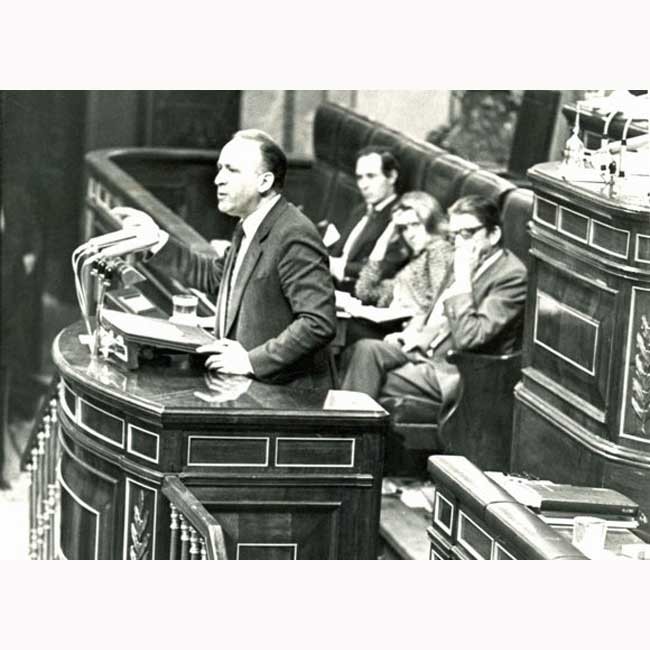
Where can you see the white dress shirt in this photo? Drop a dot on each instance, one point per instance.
(250, 224)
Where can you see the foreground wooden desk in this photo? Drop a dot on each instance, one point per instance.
(286, 474)
(475, 519)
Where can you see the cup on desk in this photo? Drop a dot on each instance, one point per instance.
(589, 535)
(185, 306)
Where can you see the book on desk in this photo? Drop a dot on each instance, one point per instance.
(559, 504)
(156, 332)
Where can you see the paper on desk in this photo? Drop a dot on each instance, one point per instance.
(380, 314)
(415, 498)
(332, 235)
(345, 300)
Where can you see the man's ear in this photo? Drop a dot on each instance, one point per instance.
(495, 235)
(392, 176)
(266, 182)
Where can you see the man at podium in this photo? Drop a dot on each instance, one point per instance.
(275, 295)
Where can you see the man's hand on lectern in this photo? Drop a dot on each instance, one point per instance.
(229, 358)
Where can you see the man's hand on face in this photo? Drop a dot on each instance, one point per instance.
(229, 357)
(465, 261)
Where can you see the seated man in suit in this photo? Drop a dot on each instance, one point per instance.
(480, 307)
(275, 296)
(377, 170)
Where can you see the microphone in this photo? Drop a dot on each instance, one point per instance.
(139, 239)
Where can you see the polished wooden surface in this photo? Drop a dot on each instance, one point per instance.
(286, 474)
(580, 408)
(475, 519)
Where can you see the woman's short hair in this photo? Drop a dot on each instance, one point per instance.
(483, 208)
(425, 206)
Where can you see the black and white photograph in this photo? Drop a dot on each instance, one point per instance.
(325, 324)
(324, 281)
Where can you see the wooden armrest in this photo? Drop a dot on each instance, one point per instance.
(469, 358)
(480, 427)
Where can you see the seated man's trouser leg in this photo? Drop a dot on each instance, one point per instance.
(383, 369)
(416, 379)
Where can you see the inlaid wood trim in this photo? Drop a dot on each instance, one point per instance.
(499, 549)
(577, 314)
(129, 438)
(81, 402)
(292, 545)
(600, 224)
(537, 201)
(314, 439)
(462, 517)
(127, 518)
(643, 260)
(560, 224)
(64, 404)
(86, 507)
(436, 517)
(433, 555)
(266, 439)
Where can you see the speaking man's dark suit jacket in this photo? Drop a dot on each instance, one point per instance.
(365, 242)
(282, 305)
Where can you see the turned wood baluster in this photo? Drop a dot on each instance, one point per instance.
(194, 544)
(51, 479)
(204, 553)
(51, 499)
(45, 480)
(173, 541)
(40, 506)
(52, 485)
(33, 546)
(31, 508)
(185, 538)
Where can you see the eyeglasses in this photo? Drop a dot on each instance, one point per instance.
(463, 233)
(405, 226)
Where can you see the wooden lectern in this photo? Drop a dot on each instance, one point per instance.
(280, 473)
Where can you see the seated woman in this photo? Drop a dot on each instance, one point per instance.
(418, 220)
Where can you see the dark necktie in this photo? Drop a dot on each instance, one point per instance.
(224, 293)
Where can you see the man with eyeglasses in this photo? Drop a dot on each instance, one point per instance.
(480, 307)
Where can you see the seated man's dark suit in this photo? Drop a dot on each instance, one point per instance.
(364, 243)
(281, 307)
(488, 320)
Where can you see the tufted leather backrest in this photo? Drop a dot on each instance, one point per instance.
(339, 134)
(516, 212)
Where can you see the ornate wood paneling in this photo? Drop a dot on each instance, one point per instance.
(583, 406)
(282, 475)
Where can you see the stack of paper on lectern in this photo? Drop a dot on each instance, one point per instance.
(155, 331)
